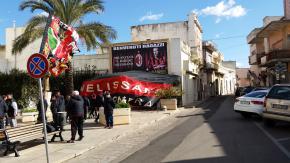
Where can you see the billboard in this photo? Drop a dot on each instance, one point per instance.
(150, 57)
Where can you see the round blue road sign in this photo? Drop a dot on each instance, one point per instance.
(37, 65)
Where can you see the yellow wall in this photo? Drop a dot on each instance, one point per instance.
(275, 40)
(260, 47)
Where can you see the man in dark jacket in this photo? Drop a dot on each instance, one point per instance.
(38, 106)
(76, 114)
(3, 111)
(57, 105)
(108, 110)
(12, 110)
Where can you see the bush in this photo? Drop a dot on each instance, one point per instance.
(23, 87)
(168, 93)
(122, 105)
(29, 110)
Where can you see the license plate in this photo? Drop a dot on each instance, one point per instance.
(245, 102)
(277, 106)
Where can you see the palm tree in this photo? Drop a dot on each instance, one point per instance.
(72, 13)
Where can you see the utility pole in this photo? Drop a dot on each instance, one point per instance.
(15, 56)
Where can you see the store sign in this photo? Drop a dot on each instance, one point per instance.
(150, 57)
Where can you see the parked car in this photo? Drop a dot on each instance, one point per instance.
(277, 104)
(247, 90)
(251, 103)
(260, 88)
(239, 91)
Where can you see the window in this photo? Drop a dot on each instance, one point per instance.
(256, 94)
(280, 92)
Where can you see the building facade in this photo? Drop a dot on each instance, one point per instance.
(218, 75)
(243, 78)
(270, 50)
(174, 58)
(189, 31)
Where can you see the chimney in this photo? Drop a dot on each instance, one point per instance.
(287, 9)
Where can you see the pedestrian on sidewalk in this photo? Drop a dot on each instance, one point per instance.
(76, 114)
(12, 110)
(87, 105)
(109, 106)
(38, 106)
(3, 111)
(57, 105)
(6, 113)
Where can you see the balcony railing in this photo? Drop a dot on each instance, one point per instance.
(279, 54)
(276, 55)
(212, 66)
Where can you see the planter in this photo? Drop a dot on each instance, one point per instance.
(29, 117)
(120, 117)
(171, 104)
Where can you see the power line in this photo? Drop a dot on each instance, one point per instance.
(229, 37)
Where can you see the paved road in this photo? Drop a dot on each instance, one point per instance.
(219, 135)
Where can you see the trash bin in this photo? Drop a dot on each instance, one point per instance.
(61, 119)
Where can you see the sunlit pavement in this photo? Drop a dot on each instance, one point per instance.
(218, 134)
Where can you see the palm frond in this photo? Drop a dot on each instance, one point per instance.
(36, 21)
(35, 5)
(103, 32)
(25, 39)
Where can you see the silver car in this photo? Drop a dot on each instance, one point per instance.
(277, 104)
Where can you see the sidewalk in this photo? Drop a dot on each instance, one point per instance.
(95, 137)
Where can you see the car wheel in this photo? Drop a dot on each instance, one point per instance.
(269, 122)
(246, 115)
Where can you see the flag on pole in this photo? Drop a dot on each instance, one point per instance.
(59, 50)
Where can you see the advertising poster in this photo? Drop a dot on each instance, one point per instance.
(150, 57)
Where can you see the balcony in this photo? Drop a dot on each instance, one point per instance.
(212, 66)
(256, 59)
(276, 55)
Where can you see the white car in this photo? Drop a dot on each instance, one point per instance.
(251, 103)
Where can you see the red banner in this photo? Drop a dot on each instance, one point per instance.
(122, 85)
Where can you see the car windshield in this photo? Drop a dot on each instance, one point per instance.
(256, 94)
(280, 92)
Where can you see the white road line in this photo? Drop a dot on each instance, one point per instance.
(283, 149)
(283, 139)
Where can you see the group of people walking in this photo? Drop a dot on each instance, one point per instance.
(78, 109)
(8, 111)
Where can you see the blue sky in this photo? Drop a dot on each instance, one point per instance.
(225, 22)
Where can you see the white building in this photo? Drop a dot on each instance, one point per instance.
(189, 31)
(19, 60)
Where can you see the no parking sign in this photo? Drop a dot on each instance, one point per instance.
(37, 65)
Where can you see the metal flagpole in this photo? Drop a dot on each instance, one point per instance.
(40, 87)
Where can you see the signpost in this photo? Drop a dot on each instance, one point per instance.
(37, 67)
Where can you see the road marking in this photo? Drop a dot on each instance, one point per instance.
(283, 139)
(275, 141)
